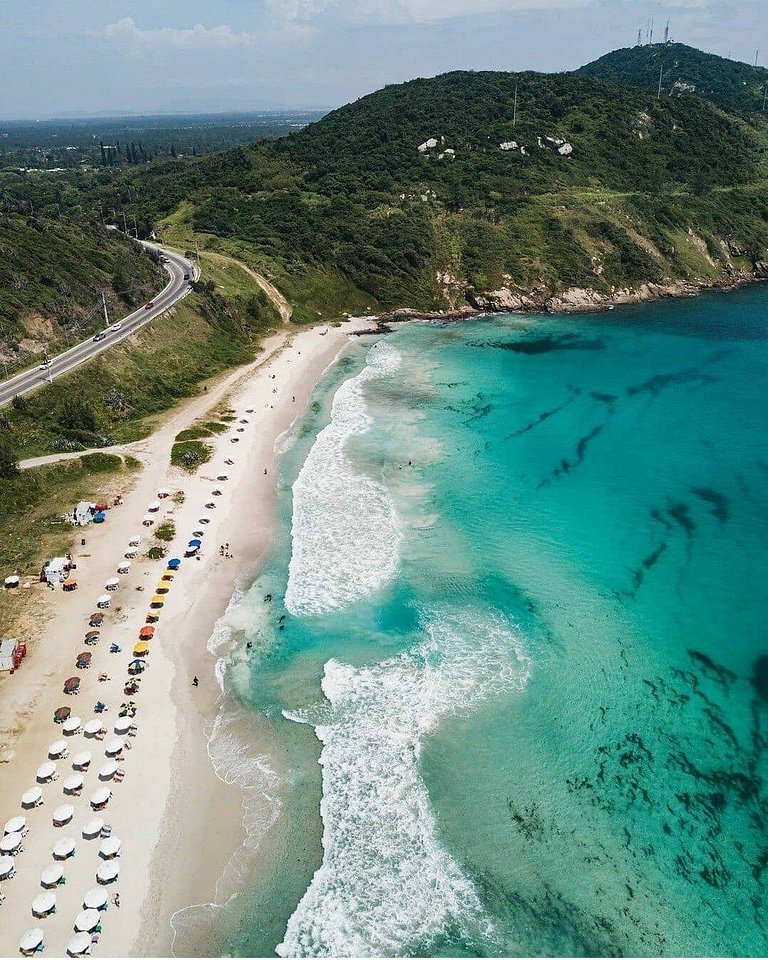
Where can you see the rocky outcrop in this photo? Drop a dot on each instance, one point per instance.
(497, 301)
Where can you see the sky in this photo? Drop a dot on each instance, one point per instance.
(149, 56)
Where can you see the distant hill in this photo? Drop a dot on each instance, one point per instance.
(736, 87)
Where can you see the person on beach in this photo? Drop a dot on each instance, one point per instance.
(195, 681)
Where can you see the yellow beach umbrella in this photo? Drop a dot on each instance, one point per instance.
(141, 648)
(167, 576)
(163, 587)
(157, 601)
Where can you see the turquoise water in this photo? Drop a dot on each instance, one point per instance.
(518, 615)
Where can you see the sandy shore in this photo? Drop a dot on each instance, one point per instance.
(178, 822)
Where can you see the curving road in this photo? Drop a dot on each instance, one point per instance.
(176, 288)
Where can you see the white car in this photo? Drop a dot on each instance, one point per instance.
(45, 365)
(116, 326)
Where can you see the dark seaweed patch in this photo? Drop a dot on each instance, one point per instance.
(661, 381)
(568, 341)
(759, 676)
(542, 418)
(603, 397)
(717, 501)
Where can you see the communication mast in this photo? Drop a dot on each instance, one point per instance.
(666, 33)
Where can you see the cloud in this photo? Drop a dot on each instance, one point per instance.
(407, 11)
(222, 36)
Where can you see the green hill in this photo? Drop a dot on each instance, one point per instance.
(736, 87)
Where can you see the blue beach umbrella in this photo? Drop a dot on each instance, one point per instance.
(195, 543)
(174, 564)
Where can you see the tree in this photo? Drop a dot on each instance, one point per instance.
(8, 466)
(173, 151)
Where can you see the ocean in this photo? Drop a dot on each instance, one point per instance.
(512, 647)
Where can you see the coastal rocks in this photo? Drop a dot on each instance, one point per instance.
(497, 301)
(761, 269)
(556, 144)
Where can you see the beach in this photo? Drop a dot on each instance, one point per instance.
(178, 823)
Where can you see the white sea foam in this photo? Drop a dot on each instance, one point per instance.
(387, 883)
(345, 532)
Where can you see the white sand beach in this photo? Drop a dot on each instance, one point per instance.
(178, 824)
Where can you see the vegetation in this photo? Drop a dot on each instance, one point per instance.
(166, 531)
(190, 454)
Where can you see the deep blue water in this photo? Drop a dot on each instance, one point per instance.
(524, 611)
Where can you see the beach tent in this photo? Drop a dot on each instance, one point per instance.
(63, 814)
(79, 945)
(104, 601)
(110, 847)
(44, 904)
(113, 747)
(73, 783)
(7, 867)
(11, 843)
(87, 920)
(174, 563)
(141, 648)
(81, 760)
(146, 633)
(83, 513)
(63, 848)
(95, 899)
(52, 876)
(108, 871)
(123, 725)
(32, 797)
(112, 584)
(46, 771)
(15, 825)
(107, 770)
(57, 749)
(31, 940)
(10, 583)
(99, 517)
(124, 566)
(93, 828)
(93, 727)
(100, 797)
(57, 570)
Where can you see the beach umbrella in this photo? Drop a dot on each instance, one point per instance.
(204, 520)
(124, 566)
(136, 666)
(162, 588)
(100, 797)
(63, 848)
(152, 616)
(57, 749)
(72, 685)
(153, 507)
(32, 797)
(92, 636)
(96, 619)
(223, 476)
(108, 871)
(195, 542)
(93, 727)
(163, 492)
(93, 828)
(31, 940)
(61, 714)
(99, 517)
(157, 601)
(87, 920)
(83, 660)
(112, 584)
(69, 584)
(11, 843)
(81, 760)
(95, 899)
(11, 582)
(174, 563)
(43, 904)
(79, 945)
(73, 783)
(107, 770)
(141, 648)
(15, 825)
(130, 553)
(135, 540)
(124, 724)
(146, 633)
(63, 814)
(104, 601)
(73, 725)
(46, 771)
(148, 520)
(113, 747)
(52, 876)
(110, 847)
(7, 867)
(168, 577)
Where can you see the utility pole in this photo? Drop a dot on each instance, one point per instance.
(104, 304)
(125, 225)
(514, 110)
(661, 76)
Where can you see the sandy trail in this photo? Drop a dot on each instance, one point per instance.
(281, 304)
(178, 823)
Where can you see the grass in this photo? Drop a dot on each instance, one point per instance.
(166, 531)
(190, 454)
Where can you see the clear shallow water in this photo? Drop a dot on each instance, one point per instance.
(520, 625)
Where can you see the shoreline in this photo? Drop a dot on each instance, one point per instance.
(181, 826)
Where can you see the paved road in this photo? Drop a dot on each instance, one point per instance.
(176, 288)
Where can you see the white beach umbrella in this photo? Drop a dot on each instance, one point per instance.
(11, 842)
(113, 746)
(203, 520)
(31, 940)
(32, 797)
(148, 520)
(123, 725)
(43, 904)
(72, 725)
(79, 945)
(135, 540)
(81, 760)
(110, 847)
(113, 583)
(93, 828)
(153, 507)
(100, 797)
(63, 814)
(124, 566)
(104, 601)
(52, 875)
(93, 727)
(57, 749)
(7, 866)
(223, 476)
(15, 825)
(73, 783)
(130, 553)
(95, 899)
(87, 920)
(163, 492)
(46, 770)
(108, 871)
(63, 848)
(107, 770)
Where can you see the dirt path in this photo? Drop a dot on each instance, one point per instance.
(279, 301)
